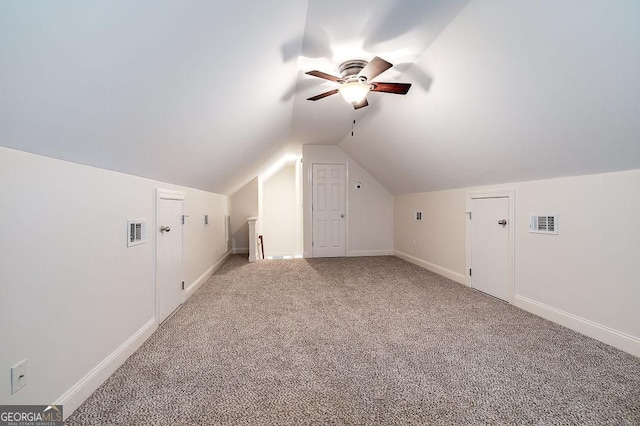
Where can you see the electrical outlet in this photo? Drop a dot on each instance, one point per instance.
(18, 376)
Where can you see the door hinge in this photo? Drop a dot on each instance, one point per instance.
(469, 213)
(183, 285)
(312, 243)
(182, 219)
(469, 271)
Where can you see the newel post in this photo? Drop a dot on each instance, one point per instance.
(253, 239)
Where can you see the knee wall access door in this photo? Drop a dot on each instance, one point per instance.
(169, 284)
(490, 244)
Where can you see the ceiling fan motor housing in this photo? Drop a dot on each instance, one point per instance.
(351, 68)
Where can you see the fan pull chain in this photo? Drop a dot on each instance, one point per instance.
(354, 122)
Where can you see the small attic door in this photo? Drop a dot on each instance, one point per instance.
(490, 248)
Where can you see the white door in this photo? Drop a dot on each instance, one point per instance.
(329, 212)
(169, 287)
(490, 246)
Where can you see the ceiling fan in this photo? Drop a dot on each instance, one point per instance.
(355, 81)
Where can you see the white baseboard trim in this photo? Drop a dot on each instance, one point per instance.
(268, 255)
(79, 392)
(359, 253)
(617, 339)
(193, 287)
(240, 250)
(220, 262)
(455, 276)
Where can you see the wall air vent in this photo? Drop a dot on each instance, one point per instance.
(543, 223)
(136, 232)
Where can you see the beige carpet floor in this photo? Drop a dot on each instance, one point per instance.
(361, 341)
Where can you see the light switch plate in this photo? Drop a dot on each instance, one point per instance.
(18, 376)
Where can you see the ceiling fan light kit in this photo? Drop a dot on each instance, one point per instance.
(355, 81)
(354, 92)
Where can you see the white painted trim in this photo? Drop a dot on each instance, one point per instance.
(240, 250)
(79, 392)
(448, 273)
(358, 253)
(347, 208)
(615, 338)
(220, 262)
(193, 287)
(253, 238)
(268, 255)
(509, 193)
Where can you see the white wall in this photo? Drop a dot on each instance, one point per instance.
(244, 204)
(74, 300)
(203, 243)
(369, 209)
(279, 213)
(439, 240)
(584, 278)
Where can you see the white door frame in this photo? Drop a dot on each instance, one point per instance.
(346, 201)
(167, 195)
(509, 193)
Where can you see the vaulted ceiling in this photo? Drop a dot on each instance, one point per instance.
(207, 94)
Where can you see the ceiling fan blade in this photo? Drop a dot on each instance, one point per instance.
(362, 104)
(325, 76)
(374, 68)
(323, 95)
(397, 88)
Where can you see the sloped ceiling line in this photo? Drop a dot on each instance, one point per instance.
(207, 94)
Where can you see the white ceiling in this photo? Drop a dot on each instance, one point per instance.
(207, 94)
(521, 90)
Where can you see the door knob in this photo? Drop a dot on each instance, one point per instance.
(342, 215)
(164, 229)
(502, 222)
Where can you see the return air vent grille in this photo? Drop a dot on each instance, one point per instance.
(543, 223)
(136, 232)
